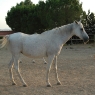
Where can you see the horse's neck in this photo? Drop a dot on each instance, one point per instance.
(66, 32)
(59, 35)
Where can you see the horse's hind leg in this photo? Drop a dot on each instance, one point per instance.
(10, 71)
(50, 60)
(56, 74)
(44, 61)
(16, 65)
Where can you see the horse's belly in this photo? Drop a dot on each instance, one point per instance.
(34, 52)
(34, 55)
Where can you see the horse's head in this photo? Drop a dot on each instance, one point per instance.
(79, 31)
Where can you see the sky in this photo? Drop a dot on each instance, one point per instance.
(5, 5)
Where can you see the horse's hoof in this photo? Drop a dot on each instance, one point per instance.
(20, 61)
(58, 83)
(13, 83)
(24, 85)
(33, 62)
(45, 63)
(49, 86)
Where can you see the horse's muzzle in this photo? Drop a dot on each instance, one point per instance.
(86, 39)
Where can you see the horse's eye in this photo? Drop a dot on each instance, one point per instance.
(81, 29)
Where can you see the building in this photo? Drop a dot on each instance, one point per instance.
(5, 32)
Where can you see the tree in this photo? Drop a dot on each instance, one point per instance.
(90, 22)
(28, 2)
(30, 18)
(17, 17)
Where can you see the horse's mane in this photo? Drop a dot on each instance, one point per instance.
(49, 31)
(67, 28)
(64, 28)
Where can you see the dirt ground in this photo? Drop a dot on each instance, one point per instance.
(76, 69)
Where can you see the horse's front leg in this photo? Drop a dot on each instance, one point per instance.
(56, 74)
(50, 60)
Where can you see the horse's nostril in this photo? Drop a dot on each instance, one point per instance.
(86, 39)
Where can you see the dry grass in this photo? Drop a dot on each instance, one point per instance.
(76, 68)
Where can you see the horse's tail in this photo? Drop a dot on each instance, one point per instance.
(4, 41)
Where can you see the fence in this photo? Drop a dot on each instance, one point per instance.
(73, 40)
(76, 40)
(3, 33)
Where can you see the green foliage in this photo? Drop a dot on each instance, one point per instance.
(90, 19)
(30, 18)
(90, 22)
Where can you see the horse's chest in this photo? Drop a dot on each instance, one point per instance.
(54, 49)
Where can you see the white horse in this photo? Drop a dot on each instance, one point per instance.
(48, 44)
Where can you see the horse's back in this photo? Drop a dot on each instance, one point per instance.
(15, 37)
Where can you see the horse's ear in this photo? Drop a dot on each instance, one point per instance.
(76, 22)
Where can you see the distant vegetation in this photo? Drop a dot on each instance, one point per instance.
(30, 18)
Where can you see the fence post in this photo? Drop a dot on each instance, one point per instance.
(94, 39)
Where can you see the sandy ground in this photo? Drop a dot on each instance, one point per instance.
(76, 69)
